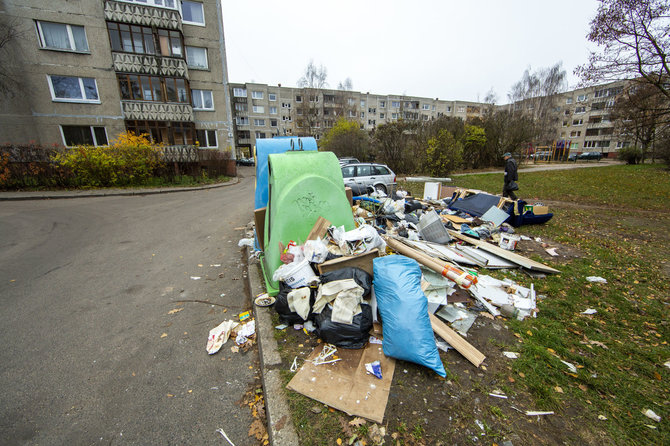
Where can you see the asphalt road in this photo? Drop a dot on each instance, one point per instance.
(88, 351)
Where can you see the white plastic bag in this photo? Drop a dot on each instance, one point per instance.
(315, 251)
(219, 335)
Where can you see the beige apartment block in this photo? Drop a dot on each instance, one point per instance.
(85, 71)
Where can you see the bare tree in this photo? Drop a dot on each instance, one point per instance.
(309, 109)
(347, 85)
(314, 77)
(8, 79)
(536, 95)
(635, 37)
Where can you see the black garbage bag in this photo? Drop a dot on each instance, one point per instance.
(363, 279)
(412, 205)
(354, 335)
(286, 316)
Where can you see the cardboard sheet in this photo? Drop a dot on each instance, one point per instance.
(345, 385)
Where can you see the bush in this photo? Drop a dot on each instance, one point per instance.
(444, 154)
(127, 160)
(631, 155)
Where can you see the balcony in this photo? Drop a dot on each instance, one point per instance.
(149, 64)
(142, 15)
(156, 111)
(599, 125)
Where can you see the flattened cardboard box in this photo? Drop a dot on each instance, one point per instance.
(345, 385)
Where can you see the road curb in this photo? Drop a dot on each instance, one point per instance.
(281, 429)
(56, 195)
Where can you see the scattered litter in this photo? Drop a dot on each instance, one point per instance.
(602, 417)
(327, 351)
(652, 415)
(374, 368)
(460, 319)
(215, 265)
(443, 345)
(222, 295)
(552, 252)
(498, 395)
(219, 335)
(223, 434)
(244, 316)
(164, 335)
(247, 331)
(589, 311)
(375, 340)
(263, 300)
(596, 279)
(532, 413)
(281, 327)
(508, 241)
(294, 366)
(195, 277)
(572, 368)
(511, 355)
(525, 237)
(480, 424)
(309, 326)
(667, 364)
(176, 310)
(297, 326)
(246, 242)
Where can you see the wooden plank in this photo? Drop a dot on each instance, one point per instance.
(350, 195)
(319, 229)
(455, 340)
(505, 254)
(454, 219)
(259, 221)
(362, 261)
(345, 385)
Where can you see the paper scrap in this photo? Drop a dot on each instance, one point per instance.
(532, 413)
(589, 311)
(195, 277)
(552, 252)
(219, 335)
(651, 414)
(511, 355)
(596, 279)
(374, 368)
(572, 368)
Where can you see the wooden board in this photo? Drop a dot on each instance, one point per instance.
(454, 219)
(259, 221)
(505, 254)
(362, 261)
(345, 385)
(319, 229)
(350, 195)
(455, 340)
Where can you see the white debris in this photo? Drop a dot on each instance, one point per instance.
(511, 355)
(532, 413)
(596, 279)
(589, 311)
(195, 277)
(246, 242)
(572, 368)
(651, 414)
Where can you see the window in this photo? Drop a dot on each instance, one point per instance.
(206, 138)
(577, 121)
(381, 115)
(272, 96)
(202, 100)
(362, 114)
(61, 36)
(395, 104)
(73, 89)
(260, 135)
(574, 145)
(568, 101)
(242, 120)
(285, 105)
(298, 98)
(461, 109)
(286, 118)
(313, 98)
(372, 110)
(133, 39)
(579, 110)
(159, 3)
(382, 104)
(565, 123)
(75, 135)
(273, 123)
(348, 171)
(170, 43)
(394, 115)
(153, 88)
(582, 97)
(258, 109)
(196, 57)
(168, 132)
(449, 108)
(240, 92)
(352, 114)
(273, 110)
(192, 13)
(434, 108)
(575, 133)
(426, 107)
(257, 94)
(243, 134)
(240, 107)
(351, 101)
(259, 122)
(362, 104)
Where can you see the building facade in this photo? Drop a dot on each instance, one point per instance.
(84, 71)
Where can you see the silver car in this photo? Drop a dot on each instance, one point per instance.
(366, 177)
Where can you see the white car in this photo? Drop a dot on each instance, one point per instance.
(366, 177)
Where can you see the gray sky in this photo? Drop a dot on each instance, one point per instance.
(449, 49)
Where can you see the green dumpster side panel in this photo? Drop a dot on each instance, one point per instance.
(303, 186)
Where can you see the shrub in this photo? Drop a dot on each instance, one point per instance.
(444, 154)
(128, 160)
(631, 155)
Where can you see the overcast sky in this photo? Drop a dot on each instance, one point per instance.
(447, 49)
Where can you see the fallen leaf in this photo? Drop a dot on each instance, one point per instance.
(176, 310)
(169, 395)
(529, 333)
(558, 389)
(190, 391)
(164, 335)
(521, 374)
(339, 442)
(657, 376)
(257, 429)
(583, 388)
(357, 422)
(551, 350)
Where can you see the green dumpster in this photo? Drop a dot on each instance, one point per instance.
(303, 186)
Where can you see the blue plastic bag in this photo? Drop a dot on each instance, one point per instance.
(403, 307)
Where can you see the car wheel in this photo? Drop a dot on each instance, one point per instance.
(381, 188)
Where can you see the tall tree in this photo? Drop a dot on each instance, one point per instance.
(444, 154)
(309, 107)
(347, 139)
(346, 85)
(635, 38)
(393, 144)
(9, 78)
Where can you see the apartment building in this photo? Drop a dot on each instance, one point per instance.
(265, 111)
(85, 71)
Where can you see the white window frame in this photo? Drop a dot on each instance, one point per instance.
(580, 112)
(425, 107)
(568, 100)
(275, 124)
(202, 99)
(272, 96)
(83, 100)
(70, 36)
(382, 104)
(181, 11)
(273, 110)
(255, 94)
(363, 104)
(259, 122)
(258, 109)
(395, 104)
(190, 49)
(382, 115)
(240, 92)
(216, 137)
(155, 3)
(95, 140)
(242, 120)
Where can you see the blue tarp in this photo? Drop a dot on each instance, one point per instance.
(265, 147)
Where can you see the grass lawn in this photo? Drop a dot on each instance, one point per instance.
(618, 221)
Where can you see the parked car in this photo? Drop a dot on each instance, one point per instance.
(573, 157)
(345, 160)
(590, 156)
(542, 155)
(245, 162)
(365, 177)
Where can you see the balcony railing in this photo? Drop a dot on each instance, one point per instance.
(157, 111)
(150, 64)
(142, 15)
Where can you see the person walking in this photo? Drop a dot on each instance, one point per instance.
(511, 177)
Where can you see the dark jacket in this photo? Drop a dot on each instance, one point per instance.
(510, 171)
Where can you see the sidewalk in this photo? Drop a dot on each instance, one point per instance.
(59, 194)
